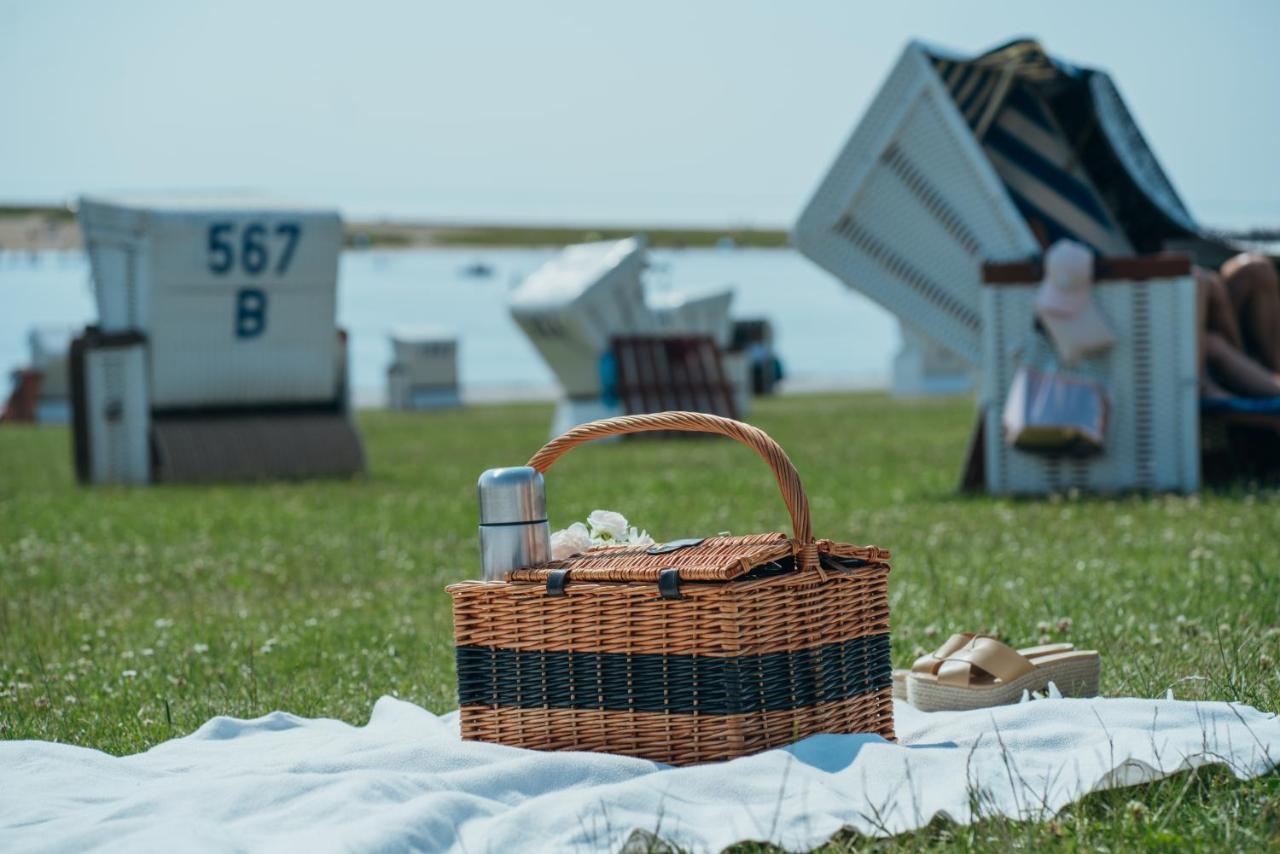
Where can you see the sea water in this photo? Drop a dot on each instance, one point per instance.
(827, 335)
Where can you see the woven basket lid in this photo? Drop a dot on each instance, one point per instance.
(718, 558)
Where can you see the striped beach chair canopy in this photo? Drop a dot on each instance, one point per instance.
(1066, 148)
(963, 160)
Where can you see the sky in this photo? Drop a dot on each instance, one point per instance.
(693, 112)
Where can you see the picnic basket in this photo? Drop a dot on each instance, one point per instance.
(686, 652)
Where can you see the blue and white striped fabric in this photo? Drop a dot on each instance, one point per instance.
(1029, 150)
(972, 87)
(979, 85)
(1044, 176)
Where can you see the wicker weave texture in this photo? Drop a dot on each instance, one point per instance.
(676, 739)
(673, 684)
(796, 610)
(714, 559)
(768, 639)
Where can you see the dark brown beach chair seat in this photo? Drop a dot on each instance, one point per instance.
(659, 374)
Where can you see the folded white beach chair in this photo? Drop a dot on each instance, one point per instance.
(578, 306)
(571, 308)
(423, 373)
(963, 161)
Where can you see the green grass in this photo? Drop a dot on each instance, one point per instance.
(130, 616)
(48, 212)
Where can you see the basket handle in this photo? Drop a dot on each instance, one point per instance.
(698, 422)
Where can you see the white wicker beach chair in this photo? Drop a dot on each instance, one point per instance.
(962, 162)
(954, 164)
(1153, 429)
(911, 209)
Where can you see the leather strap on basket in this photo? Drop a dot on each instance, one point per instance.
(698, 422)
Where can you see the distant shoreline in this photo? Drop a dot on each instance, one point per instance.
(33, 228)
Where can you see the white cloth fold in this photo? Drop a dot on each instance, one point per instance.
(406, 781)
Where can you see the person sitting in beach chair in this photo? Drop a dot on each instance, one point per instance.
(1239, 329)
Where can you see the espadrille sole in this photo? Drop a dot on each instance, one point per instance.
(1076, 676)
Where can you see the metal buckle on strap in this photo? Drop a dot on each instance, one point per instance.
(669, 583)
(556, 580)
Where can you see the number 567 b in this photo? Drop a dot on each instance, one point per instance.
(254, 249)
(254, 256)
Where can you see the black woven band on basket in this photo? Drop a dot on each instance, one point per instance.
(674, 684)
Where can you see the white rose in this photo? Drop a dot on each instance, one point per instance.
(606, 525)
(640, 539)
(573, 540)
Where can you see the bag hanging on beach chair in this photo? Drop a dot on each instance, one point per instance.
(1055, 412)
(691, 651)
(1052, 411)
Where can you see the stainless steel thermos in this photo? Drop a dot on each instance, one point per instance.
(513, 521)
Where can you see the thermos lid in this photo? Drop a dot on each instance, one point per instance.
(513, 494)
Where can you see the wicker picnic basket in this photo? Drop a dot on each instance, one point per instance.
(691, 651)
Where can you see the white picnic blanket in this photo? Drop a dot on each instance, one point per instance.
(406, 781)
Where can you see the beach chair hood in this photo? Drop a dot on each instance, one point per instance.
(1019, 78)
(963, 160)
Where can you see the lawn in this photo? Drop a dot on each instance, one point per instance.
(130, 616)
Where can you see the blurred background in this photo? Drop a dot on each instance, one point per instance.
(717, 115)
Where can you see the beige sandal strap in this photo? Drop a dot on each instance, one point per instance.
(930, 662)
(985, 654)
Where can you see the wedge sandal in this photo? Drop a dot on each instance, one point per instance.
(984, 672)
(930, 662)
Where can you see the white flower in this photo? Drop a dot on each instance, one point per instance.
(603, 528)
(607, 525)
(571, 541)
(640, 539)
